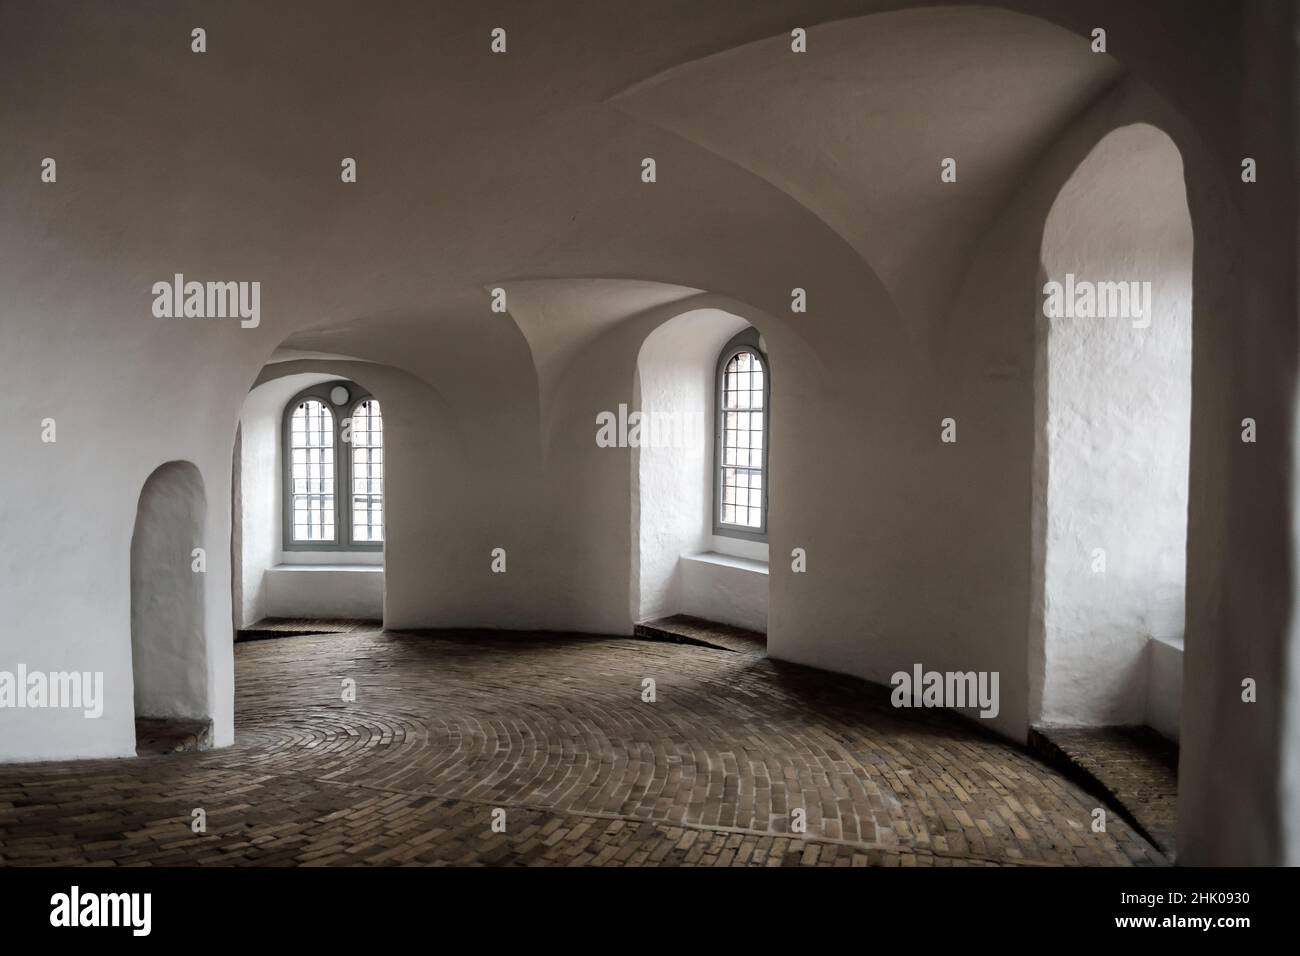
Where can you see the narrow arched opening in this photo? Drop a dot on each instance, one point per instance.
(1113, 423)
(168, 648)
(309, 515)
(699, 481)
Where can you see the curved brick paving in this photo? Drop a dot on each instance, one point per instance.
(552, 728)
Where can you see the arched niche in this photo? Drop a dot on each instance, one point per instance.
(1113, 420)
(673, 477)
(168, 649)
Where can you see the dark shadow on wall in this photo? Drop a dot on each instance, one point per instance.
(168, 653)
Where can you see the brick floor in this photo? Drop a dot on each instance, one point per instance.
(552, 729)
(275, 627)
(171, 736)
(685, 629)
(1134, 766)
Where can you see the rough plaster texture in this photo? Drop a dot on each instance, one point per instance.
(168, 658)
(922, 305)
(1116, 429)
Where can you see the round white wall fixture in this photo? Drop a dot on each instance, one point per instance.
(338, 394)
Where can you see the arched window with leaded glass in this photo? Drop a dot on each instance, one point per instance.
(333, 451)
(741, 445)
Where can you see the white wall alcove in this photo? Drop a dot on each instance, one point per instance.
(272, 581)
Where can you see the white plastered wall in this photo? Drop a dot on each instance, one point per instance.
(1115, 431)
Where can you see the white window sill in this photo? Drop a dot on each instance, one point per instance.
(371, 568)
(728, 561)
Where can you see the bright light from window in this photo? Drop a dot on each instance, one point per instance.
(741, 411)
(367, 472)
(311, 444)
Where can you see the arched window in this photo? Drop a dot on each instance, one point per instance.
(740, 472)
(317, 426)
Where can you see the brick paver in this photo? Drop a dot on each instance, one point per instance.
(1134, 766)
(687, 629)
(552, 729)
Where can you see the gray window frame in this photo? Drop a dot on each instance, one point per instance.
(342, 470)
(746, 341)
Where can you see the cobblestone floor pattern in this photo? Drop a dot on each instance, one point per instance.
(448, 726)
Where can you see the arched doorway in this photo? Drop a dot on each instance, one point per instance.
(699, 490)
(1113, 426)
(168, 657)
(309, 473)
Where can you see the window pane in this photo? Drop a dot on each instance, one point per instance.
(740, 427)
(311, 456)
(367, 472)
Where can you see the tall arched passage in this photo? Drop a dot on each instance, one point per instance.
(310, 503)
(682, 561)
(168, 655)
(1113, 416)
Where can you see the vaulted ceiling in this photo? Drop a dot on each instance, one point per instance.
(773, 157)
(477, 170)
(857, 132)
